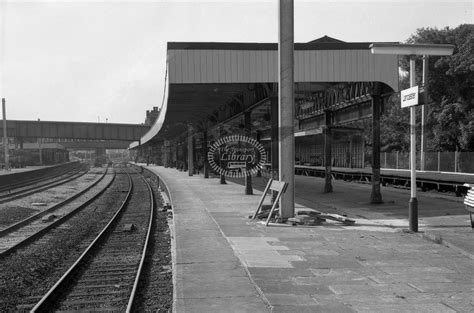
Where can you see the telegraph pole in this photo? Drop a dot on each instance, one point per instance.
(5, 137)
(3, 15)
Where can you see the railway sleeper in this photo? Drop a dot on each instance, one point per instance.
(116, 309)
(94, 309)
(120, 254)
(122, 291)
(99, 275)
(78, 304)
(98, 265)
(103, 286)
(93, 280)
(25, 307)
(117, 247)
(118, 265)
(100, 269)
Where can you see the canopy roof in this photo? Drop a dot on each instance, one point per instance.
(203, 77)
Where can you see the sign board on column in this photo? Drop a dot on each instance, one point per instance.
(409, 97)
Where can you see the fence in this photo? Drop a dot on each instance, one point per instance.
(457, 162)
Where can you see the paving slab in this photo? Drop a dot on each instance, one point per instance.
(224, 262)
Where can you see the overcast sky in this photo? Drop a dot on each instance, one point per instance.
(96, 60)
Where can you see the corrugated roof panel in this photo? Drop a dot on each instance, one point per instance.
(241, 66)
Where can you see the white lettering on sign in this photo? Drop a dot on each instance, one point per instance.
(409, 97)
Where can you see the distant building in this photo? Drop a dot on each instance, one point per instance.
(151, 116)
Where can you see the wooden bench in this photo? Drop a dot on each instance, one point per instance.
(469, 202)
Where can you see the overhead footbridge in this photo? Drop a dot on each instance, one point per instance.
(74, 130)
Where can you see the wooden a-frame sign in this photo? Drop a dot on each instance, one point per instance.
(274, 185)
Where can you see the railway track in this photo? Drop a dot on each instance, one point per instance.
(30, 229)
(35, 177)
(106, 275)
(23, 190)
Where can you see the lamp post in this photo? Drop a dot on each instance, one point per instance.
(412, 50)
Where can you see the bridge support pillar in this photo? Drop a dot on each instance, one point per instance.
(376, 195)
(190, 150)
(327, 152)
(248, 133)
(100, 155)
(40, 151)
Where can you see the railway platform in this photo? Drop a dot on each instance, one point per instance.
(226, 262)
(19, 170)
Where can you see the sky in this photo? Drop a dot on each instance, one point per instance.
(104, 61)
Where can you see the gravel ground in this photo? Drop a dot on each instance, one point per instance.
(29, 273)
(11, 214)
(156, 289)
(19, 209)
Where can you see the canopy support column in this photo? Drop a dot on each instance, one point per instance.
(222, 180)
(286, 107)
(190, 150)
(327, 151)
(376, 196)
(274, 137)
(166, 153)
(248, 133)
(204, 153)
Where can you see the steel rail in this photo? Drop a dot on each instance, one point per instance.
(27, 220)
(55, 172)
(59, 221)
(145, 248)
(45, 303)
(29, 191)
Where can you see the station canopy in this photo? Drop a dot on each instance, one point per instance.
(204, 79)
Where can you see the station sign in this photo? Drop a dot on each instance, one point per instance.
(236, 156)
(409, 97)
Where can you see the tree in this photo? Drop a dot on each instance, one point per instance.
(451, 81)
(395, 126)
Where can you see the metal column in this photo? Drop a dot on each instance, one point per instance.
(327, 151)
(286, 106)
(248, 133)
(423, 113)
(190, 150)
(166, 156)
(413, 203)
(274, 137)
(222, 180)
(204, 153)
(176, 161)
(376, 196)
